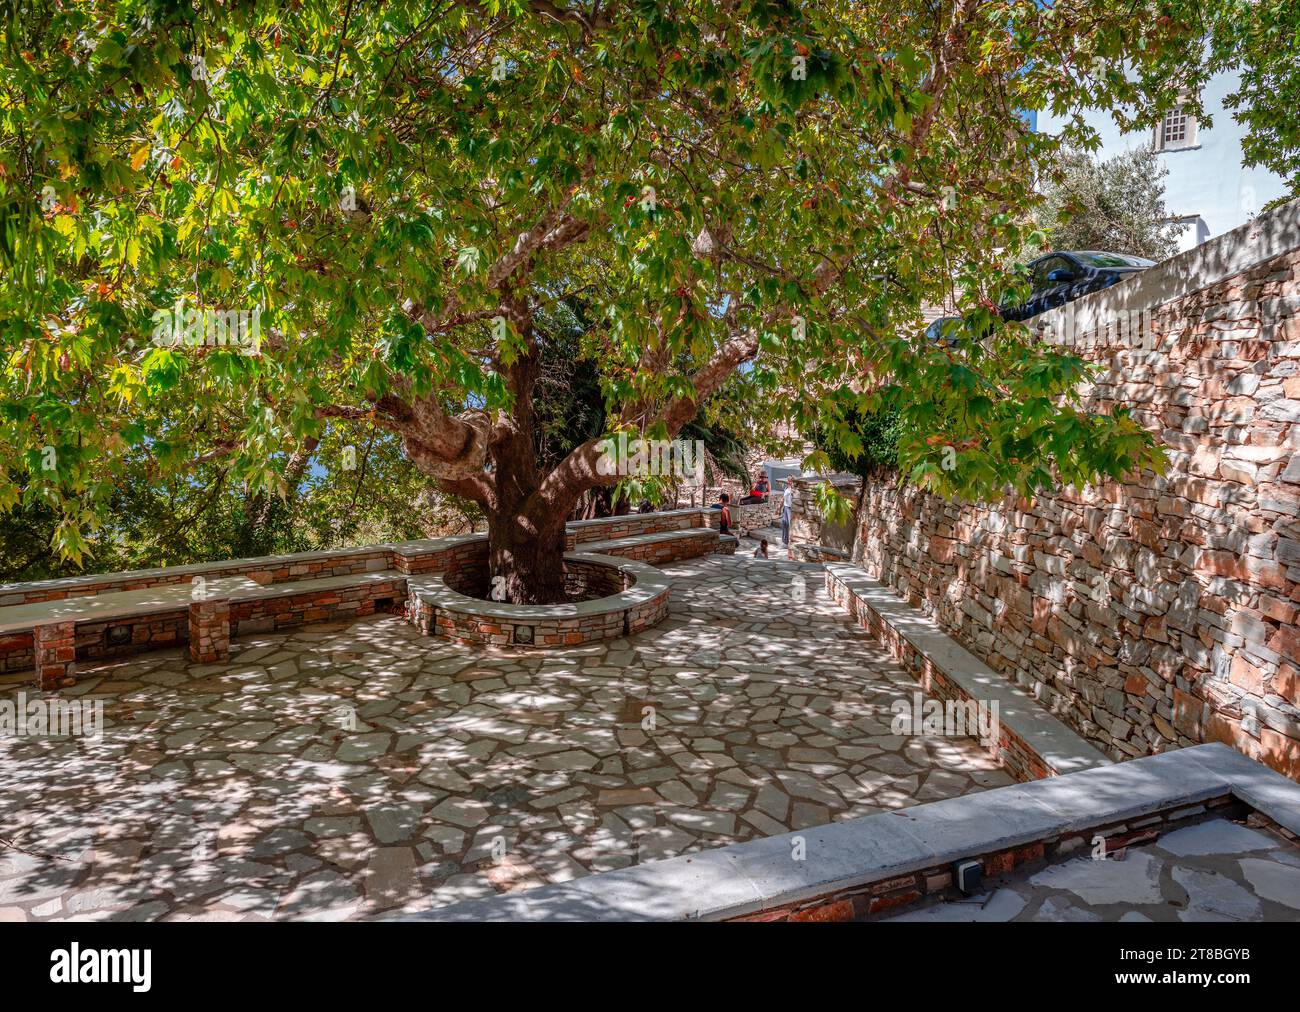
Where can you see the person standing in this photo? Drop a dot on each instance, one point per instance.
(787, 506)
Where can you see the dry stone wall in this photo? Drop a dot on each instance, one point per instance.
(1162, 611)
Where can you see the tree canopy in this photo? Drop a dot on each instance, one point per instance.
(753, 198)
(1116, 204)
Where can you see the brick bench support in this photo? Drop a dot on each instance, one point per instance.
(210, 631)
(55, 646)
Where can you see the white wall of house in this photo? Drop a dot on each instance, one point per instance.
(1207, 188)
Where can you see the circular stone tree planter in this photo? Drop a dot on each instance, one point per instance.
(634, 597)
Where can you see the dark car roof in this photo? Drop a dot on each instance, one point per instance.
(1102, 258)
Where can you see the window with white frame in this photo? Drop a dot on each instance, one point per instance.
(1176, 130)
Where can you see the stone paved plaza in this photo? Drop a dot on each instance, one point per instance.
(345, 770)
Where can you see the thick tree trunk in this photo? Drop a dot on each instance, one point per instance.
(491, 458)
(525, 528)
(526, 558)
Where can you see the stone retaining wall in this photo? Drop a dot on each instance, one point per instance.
(887, 897)
(807, 523)
(1159, 612)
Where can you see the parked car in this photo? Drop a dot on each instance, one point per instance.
(948, 330)
(1062, 277)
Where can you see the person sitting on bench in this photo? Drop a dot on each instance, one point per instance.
(724, 522)
(758, 493)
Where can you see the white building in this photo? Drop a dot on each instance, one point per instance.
(1208, 190)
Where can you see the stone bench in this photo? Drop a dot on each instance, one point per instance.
(207, 612)
(580, 534)
(154, 614)
(282, 605)
(656, 549)
(1032, 743)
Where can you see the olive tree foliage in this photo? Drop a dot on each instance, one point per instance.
(754, 197)
(1115, 204)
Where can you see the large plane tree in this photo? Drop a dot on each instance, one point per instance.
(753, 199)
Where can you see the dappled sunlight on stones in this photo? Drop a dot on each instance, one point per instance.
(343, 770)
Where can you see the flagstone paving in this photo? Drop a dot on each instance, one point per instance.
(347, 769)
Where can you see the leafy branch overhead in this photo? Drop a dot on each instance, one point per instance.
(752, 199)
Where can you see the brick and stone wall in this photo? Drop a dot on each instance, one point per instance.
(888, 896)
(580, 532)
(463, 560)
(586, 580)
(439, 607)
(1017, 755)
(807, 524)
(658, 553)
(469, 574)
(281, 569)
(1162, 611)
(275, 613)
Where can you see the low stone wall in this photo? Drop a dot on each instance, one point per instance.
(748, 517)
(591, 579)
(629, 525)
(462, 559)
(638, 600)
(817, 553)
(274, 614)
(887, 897)
(666, 548)
(1160, 612)
(269, 569)
(441, 555)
